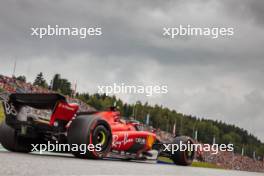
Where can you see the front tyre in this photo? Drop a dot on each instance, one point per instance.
(86, 130)
(185, 157)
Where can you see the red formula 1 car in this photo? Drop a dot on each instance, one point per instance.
(25, 125)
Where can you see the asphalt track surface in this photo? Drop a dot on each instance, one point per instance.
(50, 164)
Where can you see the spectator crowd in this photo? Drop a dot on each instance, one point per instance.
(231, 160)
(12, 85)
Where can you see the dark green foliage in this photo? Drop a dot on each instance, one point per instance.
(61, 85)
(21, 78)
(40, 81)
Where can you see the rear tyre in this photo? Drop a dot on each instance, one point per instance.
(86, 130)
(11, 141)
(186, 157)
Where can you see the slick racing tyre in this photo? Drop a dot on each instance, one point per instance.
(86, 130)
(11, 141)
(186, 157)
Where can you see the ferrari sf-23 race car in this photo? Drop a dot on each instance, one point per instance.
(66, 125)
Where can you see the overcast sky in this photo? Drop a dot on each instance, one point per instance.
(214, 78)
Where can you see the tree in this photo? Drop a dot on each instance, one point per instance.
(260, 150)
(55, 85)
(65, 87)
(207, 131)
(61, 85)
(21, 78)
(40, 81)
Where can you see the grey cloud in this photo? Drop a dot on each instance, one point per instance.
(220, 79)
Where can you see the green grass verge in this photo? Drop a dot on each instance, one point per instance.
(194, 164)
(205, 165)
(165, 159)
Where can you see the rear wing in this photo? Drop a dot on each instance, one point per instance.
(13, 102)
(38, 101)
